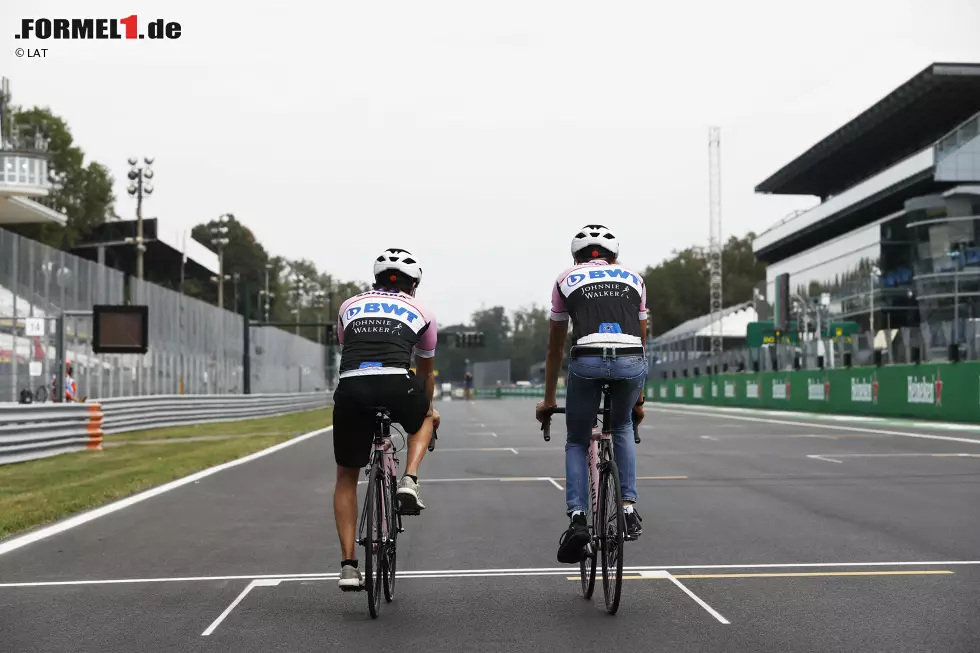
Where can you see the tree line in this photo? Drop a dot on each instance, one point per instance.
(677, 287)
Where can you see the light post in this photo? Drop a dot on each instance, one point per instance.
(138, 189)
(299, 283)
(957, 256)
(873, 275)
(220, 282)
(265, 294)
(219, 238)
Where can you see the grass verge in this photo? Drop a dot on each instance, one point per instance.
(41, 491)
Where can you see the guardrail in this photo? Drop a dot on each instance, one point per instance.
(37, 430)
(29, 431)
(123, 414)
(499, 393)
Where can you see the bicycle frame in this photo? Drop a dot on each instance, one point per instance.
(385, 449)
(600, 443)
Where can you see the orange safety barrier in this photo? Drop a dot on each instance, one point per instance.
(94, 427)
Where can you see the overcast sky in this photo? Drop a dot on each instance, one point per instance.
(480, 136)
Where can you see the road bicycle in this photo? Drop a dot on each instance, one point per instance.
(381, 521)
(606, 519)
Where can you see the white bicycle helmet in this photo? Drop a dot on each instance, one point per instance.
(400, 260)
(592, 235)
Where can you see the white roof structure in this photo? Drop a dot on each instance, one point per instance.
(734, 323)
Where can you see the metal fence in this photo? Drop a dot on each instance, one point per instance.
(194, 347)
(200, 347)
(488, 374)
(930, 341)
(40, 281)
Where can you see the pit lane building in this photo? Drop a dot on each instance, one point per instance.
(895, 234)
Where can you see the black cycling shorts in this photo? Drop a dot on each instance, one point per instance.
(354, 402)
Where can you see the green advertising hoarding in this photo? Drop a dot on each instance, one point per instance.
(936, 391)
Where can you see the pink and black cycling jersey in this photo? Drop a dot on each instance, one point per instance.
(380, 331)
(606, 302)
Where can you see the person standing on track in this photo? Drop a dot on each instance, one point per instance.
(379, 331)
(606, 302)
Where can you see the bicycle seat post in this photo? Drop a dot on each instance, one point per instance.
(606, 409)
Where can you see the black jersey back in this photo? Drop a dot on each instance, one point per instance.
(606, 303)
(380, 331)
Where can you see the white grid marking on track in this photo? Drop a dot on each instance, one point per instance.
(480, 573)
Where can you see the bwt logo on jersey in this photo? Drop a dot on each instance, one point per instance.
(381, 307)
(603, 273)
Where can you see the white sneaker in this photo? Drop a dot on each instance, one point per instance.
(407, 496)
(350, 579)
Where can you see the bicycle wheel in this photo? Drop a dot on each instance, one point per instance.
(371, 538)
(612, 521)
(390, 559)
(586, 567)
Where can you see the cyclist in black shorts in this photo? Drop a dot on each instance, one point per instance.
(380, 330)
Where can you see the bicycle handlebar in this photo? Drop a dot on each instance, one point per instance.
(546, 425)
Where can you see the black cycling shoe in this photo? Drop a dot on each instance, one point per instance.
(571, 546)
(634, 525)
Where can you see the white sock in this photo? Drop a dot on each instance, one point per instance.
(628, 509)
(577, 512)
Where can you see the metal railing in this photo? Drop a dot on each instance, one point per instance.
(29, 431)
(125, 414)
(38, 430)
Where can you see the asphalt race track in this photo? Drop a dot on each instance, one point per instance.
(762, 533)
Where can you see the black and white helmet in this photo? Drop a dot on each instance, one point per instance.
(592, 235)
(400, 260)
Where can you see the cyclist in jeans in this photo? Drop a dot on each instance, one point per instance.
(379, 331)
(606, 302)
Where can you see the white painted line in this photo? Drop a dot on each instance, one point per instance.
(698, 600)
(555, 483)
(62, 526)
(897, 421)
(221, 617)
(473, 433)
(654, 573)
(477, 573)
(905, 455)
(482, 478)
(709, 437)
(458, 450)
(829, 460)
(855, 429)
(514, 450)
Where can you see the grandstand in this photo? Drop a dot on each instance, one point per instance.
(896, 226)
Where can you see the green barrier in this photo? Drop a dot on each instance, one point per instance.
(934, 391)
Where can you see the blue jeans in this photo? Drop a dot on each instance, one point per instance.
(583, 400)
